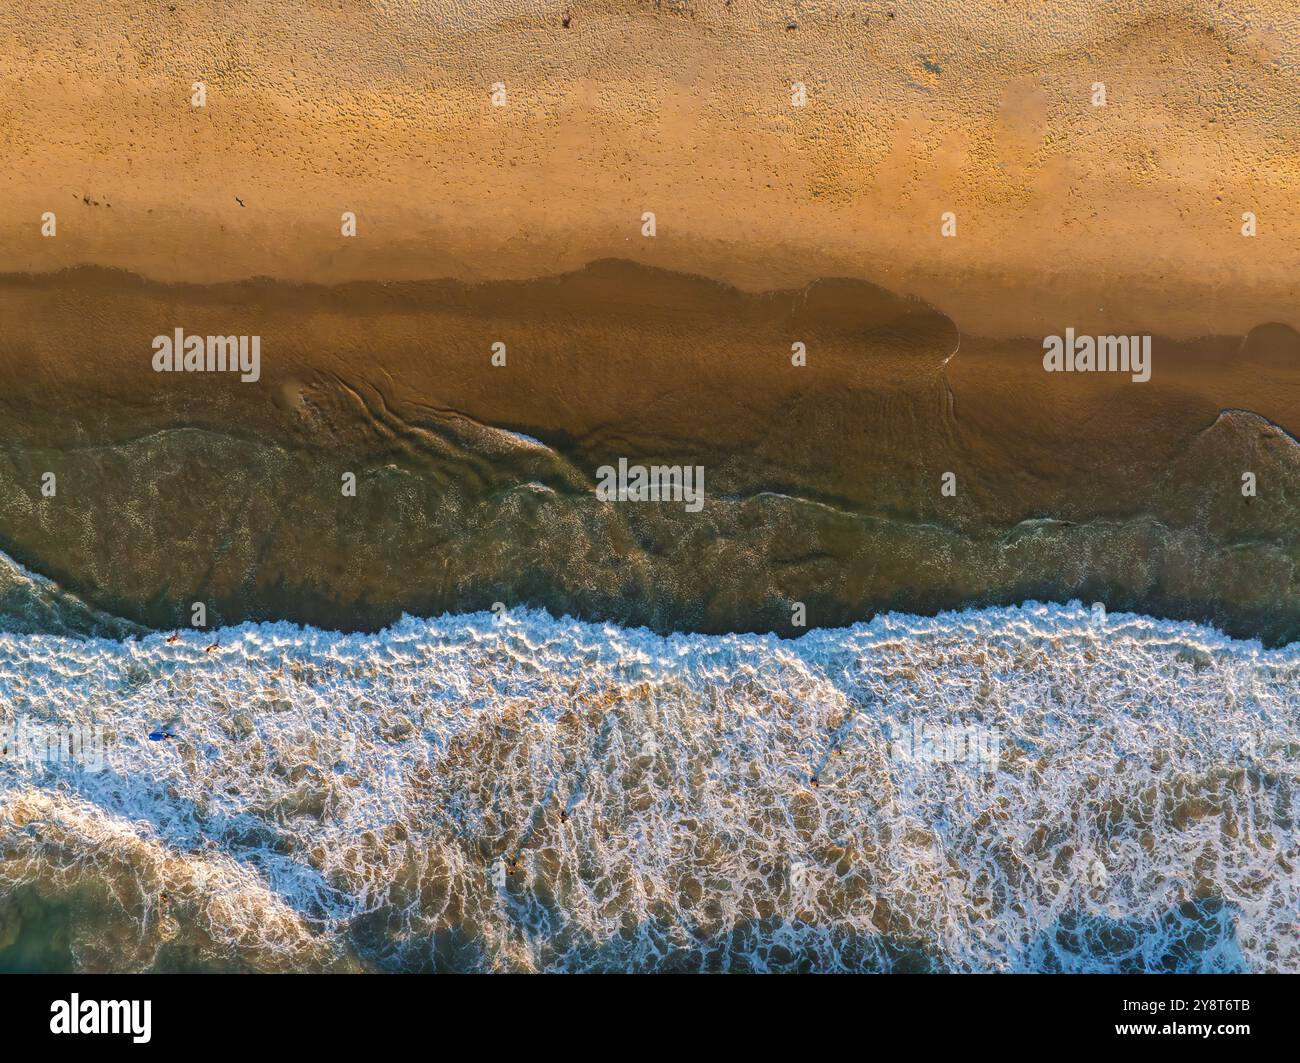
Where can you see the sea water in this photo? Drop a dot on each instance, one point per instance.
(526, 793)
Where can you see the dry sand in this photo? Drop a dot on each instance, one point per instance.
(1108, 219)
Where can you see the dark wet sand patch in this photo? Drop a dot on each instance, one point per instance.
(822, 481)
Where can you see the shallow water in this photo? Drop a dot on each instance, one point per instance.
(1001, 787)
(476, 484)
(526, 793)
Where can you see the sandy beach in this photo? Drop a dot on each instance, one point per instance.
(1109, 218)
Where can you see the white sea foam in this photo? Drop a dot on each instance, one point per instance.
(530, 793)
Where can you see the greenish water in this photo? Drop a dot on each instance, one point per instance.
(34, 933)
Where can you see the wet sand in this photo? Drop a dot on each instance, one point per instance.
(476, 482)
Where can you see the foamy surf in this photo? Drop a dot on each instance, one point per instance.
(527, 793)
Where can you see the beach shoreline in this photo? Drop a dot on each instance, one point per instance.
(475, 482)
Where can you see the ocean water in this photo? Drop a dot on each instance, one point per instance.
(1010, 789)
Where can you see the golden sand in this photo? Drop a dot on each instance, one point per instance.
(1109, 218)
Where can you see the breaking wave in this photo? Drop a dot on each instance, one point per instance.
(518, 792)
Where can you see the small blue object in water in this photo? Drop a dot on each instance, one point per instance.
(158, 736)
